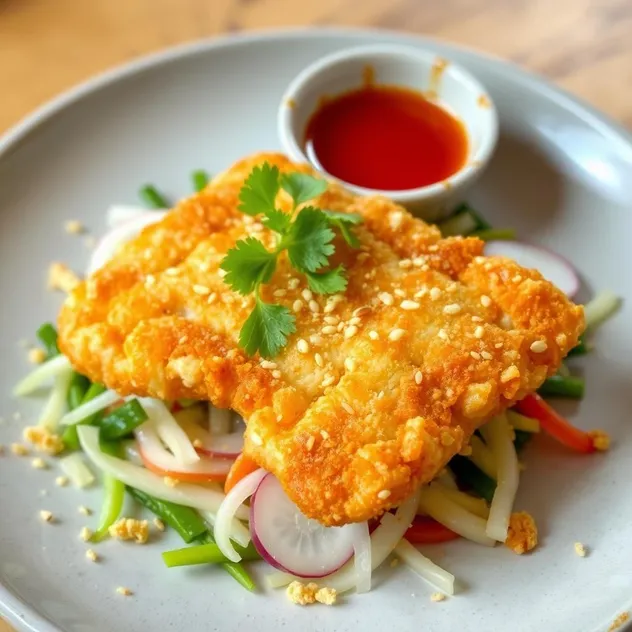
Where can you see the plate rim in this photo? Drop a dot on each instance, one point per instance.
(13, 609)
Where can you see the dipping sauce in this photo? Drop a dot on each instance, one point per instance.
(386, 137)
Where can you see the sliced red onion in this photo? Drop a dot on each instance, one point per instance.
(153, 450)
(291, 542)
(362, 556)
(110, 243)
(231, 504)
(552, 267)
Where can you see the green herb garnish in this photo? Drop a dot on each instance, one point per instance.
(305, 236)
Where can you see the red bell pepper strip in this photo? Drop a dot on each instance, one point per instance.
(428, 531)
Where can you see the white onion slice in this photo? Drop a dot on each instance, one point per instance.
(383, 541)
(118, 214)
(99, 403)
(551, 266)
(238, 532)
(362, 556)
(498, 436)
(75, 468)
(110, 243)
(41, 375)
(195, 496)
(424, 567)
(233, 501)
(152, 449)
(226, 446)
(174, 437)
(290, 541)
(219, 420)
(56, 405)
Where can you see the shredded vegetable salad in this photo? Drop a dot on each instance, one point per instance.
(183, 461)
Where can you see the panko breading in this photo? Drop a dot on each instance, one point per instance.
(522, 535)
(377, 389)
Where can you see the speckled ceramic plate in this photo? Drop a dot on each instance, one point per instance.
(561, 176)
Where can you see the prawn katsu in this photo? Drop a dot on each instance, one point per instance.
(379, 386)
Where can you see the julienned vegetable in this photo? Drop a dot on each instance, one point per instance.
(57, 401)
(42, 375)
(563, 386)
(90, 407)
(425, 530)
(150, 195)
(111, 507)
(75, 468)
(70, 436)
(205, 554)
(47, 335)
(602, 307)
(471, 477)
(122, 421)
(424, 567)
(77, 389)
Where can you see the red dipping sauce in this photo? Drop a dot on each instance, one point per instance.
(386, 137)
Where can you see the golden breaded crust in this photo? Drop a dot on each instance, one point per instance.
(429, 341)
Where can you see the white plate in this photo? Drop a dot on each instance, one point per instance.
(561, 176)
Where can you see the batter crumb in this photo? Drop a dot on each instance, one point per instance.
(580, 549)
(522, 535)
(437, 596)
(621, 620)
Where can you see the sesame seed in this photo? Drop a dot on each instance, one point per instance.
(329, 307)
(478, 332)
(309, 444)
(341, 325)
(399, 292)
(517, 278)
(395, 219)
(475, 354)
(452, 308)
(36, 356)
(355, 320)
(486, 355)
(316, 340)
(539, 346)
(350, 364)
(351, 331)
(580, 549)
(256, 439)
(331, 320)
(212, 297)
(279, 293)
(85, 534)
(314, 306)
(435, 293)
(172, 271)
(91, 554)
(183, 339)
(396, 334)
(307, 294)
(46, 516)
(276, 374)
(433, 248)
(486, 301)
(405, 264)
(61, 481)
(499, 345)
(328, 380)
(197, 443)
(202, 290)
(84, 510)
(347, 407)
(409, 305)
(266, 364)
(386, 298)
(437, 596)
(293, 283)
(328, 330)
(418, 262)
(361, 311)
(384, 494)
(39, 464)
(126, 592)
(318, 359)
(297, 305)
(222, 273)
(442, 334)
(477, 319)
(380, 395)
(324, 434)
(418, 377)
(302, 346)
(150, 279)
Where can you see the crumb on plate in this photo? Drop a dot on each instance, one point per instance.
(46, 516)
(61, 277)
(306, 594)
(85, 534)
(522, 535)
(86, 511)
(92, 555)
(580, 549)
(130, 529)
(159, 524)
(43, 439)
(437, 596)
(74, 227)
(122, 590)
(619, 621)
(61, 481)
(19, 449)
(170, 482)
(601, 439)
(36, 355)
(38, 463)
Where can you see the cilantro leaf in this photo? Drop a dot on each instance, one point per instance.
(260, 190)
(248, 264)
(266, 329)
(328, 282)
(344, 222)
(277, 220)
(302, 187)
(308, 240)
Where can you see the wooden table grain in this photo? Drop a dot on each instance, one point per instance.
(46, 46)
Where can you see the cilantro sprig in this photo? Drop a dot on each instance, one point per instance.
(306, 237)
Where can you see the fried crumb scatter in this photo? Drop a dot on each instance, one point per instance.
(601, 440)
(306, 594)
(85, 511)
(159, 524)
(620, 621)
(36, 355)
(92, 555)
(19, 449)
(522, 535)
(394, 562)
(437, 596)
(61, 481)
(61, 277)
(39, 463)
(122, 590)
(85, 534)
(46, 516)
(43, 439)
(170, 482)
(130, 529)
(74, 227)
(580, 549)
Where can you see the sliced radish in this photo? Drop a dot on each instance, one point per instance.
(552, 267)
(227, 446)
(121, 234)
(118, 214)
(289, 541)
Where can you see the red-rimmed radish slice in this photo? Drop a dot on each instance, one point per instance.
(227, 446)
(293, 543)
(110, 243)
(552, 267)
(118, 214)
(159, 460)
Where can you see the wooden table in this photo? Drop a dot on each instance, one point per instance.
(48, 45)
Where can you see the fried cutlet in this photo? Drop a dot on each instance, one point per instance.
(377, 389)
